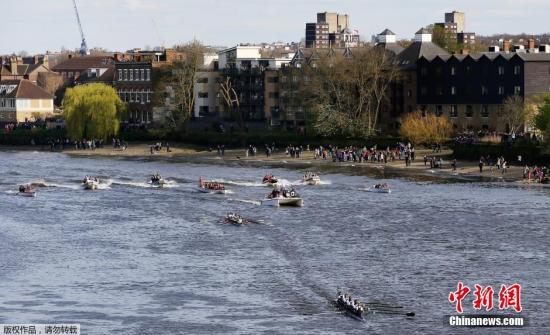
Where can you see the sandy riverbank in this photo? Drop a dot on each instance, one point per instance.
(465, 169)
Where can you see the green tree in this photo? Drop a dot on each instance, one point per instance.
(542, 118)
(93, 111)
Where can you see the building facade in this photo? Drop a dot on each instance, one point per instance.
(331, 30)
(134, 85)
(471, 89)
(22, 101)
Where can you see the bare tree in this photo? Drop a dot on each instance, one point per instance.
(514, 113)
(231, 101)
(351, 91)
(184, 73)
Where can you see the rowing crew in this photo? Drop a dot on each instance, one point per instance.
(347, 301)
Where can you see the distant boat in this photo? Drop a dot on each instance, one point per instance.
(311, 179)
(380, 188)
(27, 191)
(211, 187)
(90, 183)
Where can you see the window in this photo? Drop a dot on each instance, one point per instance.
(439, 90)
(122, 96)
(469, 111)
(517, 89)
(453, 71)
(138, 96)
(501, 90)
(438, 110)
(501, 70)
(203, 110)
(454, 110)
(294, 79)
(517, 70)
(453, 90)
(119, 75)
(148, 96)
(484, 90)
(148, 75)
(202, 80)
(283, 79)
(409, 93)
(484, 111)
(439, 71)
(273, 80)
(424, 71)
(142, 74)
(125, 74)
(203, 95)
(136, 74)
(423, 90)
(131, 75)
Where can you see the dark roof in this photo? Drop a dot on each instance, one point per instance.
(408, 57)
(387, 32)
(107, 76)
(534, 57)
(24, 89)
(81, 63)
(395, 48)
(423, 31)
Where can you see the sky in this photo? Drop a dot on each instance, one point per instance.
(37, 26)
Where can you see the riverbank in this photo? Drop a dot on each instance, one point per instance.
(187, 153)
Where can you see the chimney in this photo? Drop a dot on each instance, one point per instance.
(46, 62)
(506, 46)
(531, 44)
(13, 65)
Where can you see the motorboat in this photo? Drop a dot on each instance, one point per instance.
(311, 178)
(235, 219)
(27, 191)
(270, 180)
(157, 180)
(283, 197)
(90, 183)
(211, 187)
(351, 307)
(380, 188)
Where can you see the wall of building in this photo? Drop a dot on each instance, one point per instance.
(537, 78)
(25, 108)
(206, 94)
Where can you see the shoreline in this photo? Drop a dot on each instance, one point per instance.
(466, 170)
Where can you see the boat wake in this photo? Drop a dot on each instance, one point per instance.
(240, 183)
(145, 184)
(44, 184)
(247, 201)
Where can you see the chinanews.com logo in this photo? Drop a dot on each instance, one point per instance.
(509, 299)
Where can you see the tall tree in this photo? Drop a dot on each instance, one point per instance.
(351, 91)
(183, 77)
(92, 111)
(514, 113)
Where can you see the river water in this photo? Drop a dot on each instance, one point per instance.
(131, 259)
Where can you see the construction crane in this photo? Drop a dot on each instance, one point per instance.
(83, 46)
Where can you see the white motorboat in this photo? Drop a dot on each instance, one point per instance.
(90, 183)
(311, 179)
(283, 197)
(380, 188)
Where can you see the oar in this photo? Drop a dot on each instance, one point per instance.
(385, 309)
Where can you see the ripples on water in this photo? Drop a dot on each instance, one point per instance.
(142, 260)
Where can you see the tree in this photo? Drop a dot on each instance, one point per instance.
(350, 91)
(92, 111)
(542, 118)
(514, 113)
(426, 129)
(444, 38)
(231, 101)
(184, 73)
